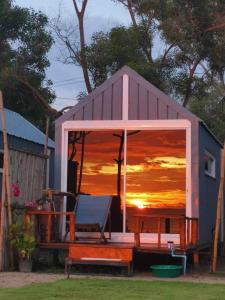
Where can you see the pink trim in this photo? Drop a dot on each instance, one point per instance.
(125, 96)
(181, 124)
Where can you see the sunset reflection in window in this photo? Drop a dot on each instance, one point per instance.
(155, 170)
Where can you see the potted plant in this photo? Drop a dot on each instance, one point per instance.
(23, 240)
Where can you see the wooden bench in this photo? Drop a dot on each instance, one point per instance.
(108, 255)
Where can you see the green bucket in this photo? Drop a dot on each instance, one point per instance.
(164, 271)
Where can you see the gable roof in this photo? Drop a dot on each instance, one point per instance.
(137, 85)
(19, 127)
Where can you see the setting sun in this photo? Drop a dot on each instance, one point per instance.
(138, 203)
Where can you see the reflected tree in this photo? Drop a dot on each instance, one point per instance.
(75, 138)
(119, 160)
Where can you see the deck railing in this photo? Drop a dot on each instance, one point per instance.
(49, 215)
(188, 229)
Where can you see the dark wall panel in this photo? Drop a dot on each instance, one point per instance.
(23, 145)
(208, 186)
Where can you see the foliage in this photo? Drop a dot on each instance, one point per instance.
(111, 289)
(108, 52)
(189, 34)
(24, 44)
(22, 239)
(210, 107)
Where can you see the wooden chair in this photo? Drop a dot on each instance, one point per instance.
(92, 213)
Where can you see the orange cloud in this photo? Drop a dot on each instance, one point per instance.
(169, 162)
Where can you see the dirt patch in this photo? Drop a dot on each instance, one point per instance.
(18, 279)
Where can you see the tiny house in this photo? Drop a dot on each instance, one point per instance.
(160, 163)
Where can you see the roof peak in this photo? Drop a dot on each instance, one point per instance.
(141, 81)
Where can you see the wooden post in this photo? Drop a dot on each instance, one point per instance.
(182, 234)
(46, 136)
(72, 227)
(194, 232)
(2, 226)
(218, 211)
(46, 171)
(188, 231)
(6, 169)
(137, 233)
(48, 232)
(159, 232)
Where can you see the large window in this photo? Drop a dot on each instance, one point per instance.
(155, 180)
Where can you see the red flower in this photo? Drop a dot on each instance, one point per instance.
(15, 190)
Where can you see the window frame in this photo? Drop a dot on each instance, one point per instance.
(212, 158)
(126, 125)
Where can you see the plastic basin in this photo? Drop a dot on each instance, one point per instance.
(166, 270)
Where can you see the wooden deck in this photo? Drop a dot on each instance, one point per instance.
(188, 235)
(143, 248)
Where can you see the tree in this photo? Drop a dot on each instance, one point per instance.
(24, 44)
(210, 107)
(191, 35)
(108, 52)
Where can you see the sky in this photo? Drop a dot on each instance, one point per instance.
(100, 15)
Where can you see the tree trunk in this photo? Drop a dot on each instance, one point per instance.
(2, 224)
(188, 89)
(81, 163)
(83, 58)
(46, 184)
(119, 165)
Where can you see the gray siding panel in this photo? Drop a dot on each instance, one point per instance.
(172, 114)
(143, 104)
(133, 100)
(117, 100)
(97, 107)
(162, 111)
(152, 107)
(208, 187)
(107, 104)
(79, 115)
(88, 111)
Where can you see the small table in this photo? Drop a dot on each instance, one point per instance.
(49, 215)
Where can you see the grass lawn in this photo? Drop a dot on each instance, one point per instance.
(85, 289)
